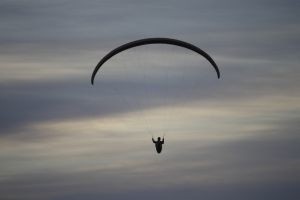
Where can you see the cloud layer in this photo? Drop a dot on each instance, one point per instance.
(233, 138)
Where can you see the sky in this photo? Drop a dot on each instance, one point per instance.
(236, 137)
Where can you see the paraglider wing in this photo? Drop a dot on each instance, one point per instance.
(153, 41)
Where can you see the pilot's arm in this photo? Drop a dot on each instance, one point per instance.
(163, 141)
(153, 141)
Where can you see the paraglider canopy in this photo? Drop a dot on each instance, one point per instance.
(154, 41)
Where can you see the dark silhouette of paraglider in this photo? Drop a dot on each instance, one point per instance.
(158, 144)
(146, 41)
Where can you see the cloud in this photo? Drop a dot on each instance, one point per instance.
(234, 138)
(85, 165)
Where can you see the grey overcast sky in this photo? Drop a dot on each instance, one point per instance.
(232, 138)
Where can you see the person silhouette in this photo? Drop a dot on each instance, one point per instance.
(158, 144)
